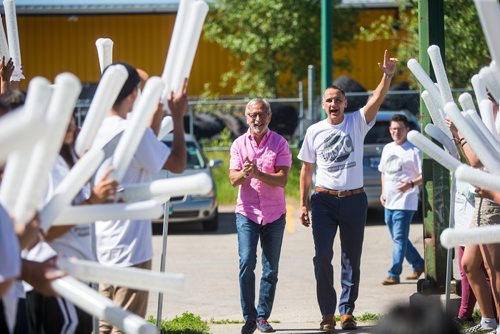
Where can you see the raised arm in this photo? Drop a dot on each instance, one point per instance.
(378, 95)
(6, 70)
(467, 151)
(177, 104)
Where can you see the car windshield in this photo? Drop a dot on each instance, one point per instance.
(379, 134)
(195, 159)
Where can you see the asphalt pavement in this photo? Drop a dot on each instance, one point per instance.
(209, 262)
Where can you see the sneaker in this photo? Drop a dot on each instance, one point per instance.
(249, 327)
(328, 323)
(416, 274)
(264, 326)
(389, 280)
(478, 329)
(347, 321)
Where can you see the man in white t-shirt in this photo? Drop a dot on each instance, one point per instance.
(335, 147)
(401, 173)
(128, 243)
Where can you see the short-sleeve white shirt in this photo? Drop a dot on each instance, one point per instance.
(10, 261)
(400, 163)
(337, 151)
(128, 242)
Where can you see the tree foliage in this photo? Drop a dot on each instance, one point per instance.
(271, 39)
(465, 46)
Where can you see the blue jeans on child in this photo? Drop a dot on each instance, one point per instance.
(271, 237)
(398, 222)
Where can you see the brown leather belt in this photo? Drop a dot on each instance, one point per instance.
(339, 193)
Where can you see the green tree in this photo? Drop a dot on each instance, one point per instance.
(271, 38)
(465, 45)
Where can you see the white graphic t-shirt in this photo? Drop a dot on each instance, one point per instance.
(400, 163)
(128, 242)
(337, 151)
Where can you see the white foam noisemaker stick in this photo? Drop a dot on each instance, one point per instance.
(81, 172)
(104, 52)
(134, 132)
(485, 135)
(172, 58)
(483, 130)
(489, 76)
(83, 214)
(479, 88)
(425, 81)
(451, 237)
(162, 190)
(67, 89)
(478, 178)
(435, 113)
(442, 80)
(167, 125)
(491, 135)
(188, 45)
(37, 101)
(4, 46)
(442, 138)
(432, 150)
(17, 132)
(489, 15)
(484, 151)
(13, 37)
(497, 126)
(466, 102)
(134, 278)
(106, 93)
(486, 111)
(101, 307)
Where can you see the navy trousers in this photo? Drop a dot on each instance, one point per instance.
(348, 215)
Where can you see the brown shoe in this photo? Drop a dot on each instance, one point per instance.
(389, 280)
(328, 323)
(416, 274)
(347, 322)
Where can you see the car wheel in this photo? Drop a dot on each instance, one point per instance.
(212, 224)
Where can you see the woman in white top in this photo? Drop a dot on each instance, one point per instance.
(55, 314)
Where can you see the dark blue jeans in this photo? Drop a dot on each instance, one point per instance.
(398, 222)
(348, 214)
(271, 237)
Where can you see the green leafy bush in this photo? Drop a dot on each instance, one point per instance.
(187, 323)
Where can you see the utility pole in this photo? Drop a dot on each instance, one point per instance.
(326, 45)
(436, 200)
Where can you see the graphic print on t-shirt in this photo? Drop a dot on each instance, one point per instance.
(393, 166)
(336, 150)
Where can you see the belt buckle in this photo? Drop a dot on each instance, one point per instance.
(343, 191)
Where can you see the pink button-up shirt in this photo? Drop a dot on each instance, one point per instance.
(259, 201)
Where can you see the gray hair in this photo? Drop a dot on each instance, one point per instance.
(260, 101)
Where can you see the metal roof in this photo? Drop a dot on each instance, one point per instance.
(370, 3)
(70, 7)
(73, 7)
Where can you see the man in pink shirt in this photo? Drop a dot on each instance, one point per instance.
(260, 162)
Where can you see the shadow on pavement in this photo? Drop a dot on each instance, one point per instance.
(226, 226)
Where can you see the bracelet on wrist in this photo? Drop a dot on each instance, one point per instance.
(463, 143)
(412, 183)
(388, 75)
